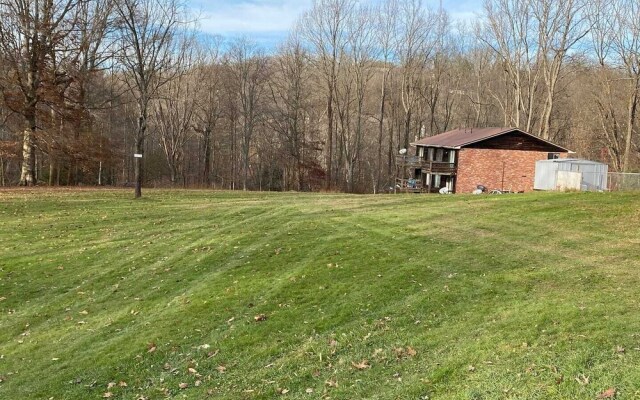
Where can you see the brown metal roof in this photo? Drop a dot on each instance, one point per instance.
(458, 138)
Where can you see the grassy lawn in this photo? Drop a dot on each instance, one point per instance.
(196, 294)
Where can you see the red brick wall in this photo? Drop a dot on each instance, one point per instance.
(484, 167)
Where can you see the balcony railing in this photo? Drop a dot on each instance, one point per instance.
(414, 186)
(426, 166)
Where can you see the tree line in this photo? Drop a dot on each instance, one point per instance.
(130, 92)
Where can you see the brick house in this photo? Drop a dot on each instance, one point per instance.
(462, 159)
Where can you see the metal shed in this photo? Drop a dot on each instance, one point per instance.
(570, 174)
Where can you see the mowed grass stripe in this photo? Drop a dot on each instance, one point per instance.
(504, 296)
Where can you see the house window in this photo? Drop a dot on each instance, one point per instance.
(553, 156)
(445, 155)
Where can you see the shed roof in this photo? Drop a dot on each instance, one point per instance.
(571, 161)
(458, 138)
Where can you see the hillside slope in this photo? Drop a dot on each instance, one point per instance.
(200, 294)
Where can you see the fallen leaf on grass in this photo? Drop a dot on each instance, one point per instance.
(583, 380)
(309, 390)
(183, 385)
(402, 352)
(106, 395)
(260, 318)
(151, 347)
(331, 383)
(122, 384)
(282, 391)
(110, 385)
(608, 394)
(364, 364)
(221, 368)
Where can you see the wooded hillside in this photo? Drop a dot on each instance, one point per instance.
(88, 84)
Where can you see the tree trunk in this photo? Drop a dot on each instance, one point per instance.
(173, 173)
(407, 128)
(545, 126)
(329, 158)
(27, 174)
(52, 168)
(381, 130)
(139, 149)
(245, 162)
(631, 117)
(2, 182)
(350, 173)
(206, 172)
(69, 169)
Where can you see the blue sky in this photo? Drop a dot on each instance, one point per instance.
(268, 21)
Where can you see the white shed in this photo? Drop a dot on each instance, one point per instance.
(570, 174)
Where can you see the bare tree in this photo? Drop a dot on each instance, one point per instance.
(415, 43)
(511, 32)
(439, 90)
(173, 112)
(289, 96)
(480, 59)
(385, 29)
(615, 35)
(247, 67)
(324, 28)
(148, 54)
(351, 90)
(208, 110)
(561, 25)
(88, 53)
(30, 35)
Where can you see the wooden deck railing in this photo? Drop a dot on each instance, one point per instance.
(413, 185)
(426, 166)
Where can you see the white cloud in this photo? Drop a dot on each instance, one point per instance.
(463, 10)
(269, 21)
(250, 16)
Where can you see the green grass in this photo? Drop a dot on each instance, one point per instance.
(446, 297)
